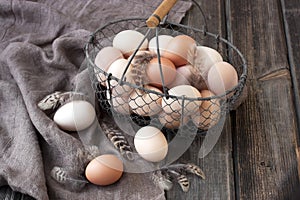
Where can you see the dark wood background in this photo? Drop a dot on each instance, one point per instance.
(257, 154)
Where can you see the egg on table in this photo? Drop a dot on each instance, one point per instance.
(104, 170)
(151, 144)
(76, 115)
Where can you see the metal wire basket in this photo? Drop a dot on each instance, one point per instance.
(160, 108)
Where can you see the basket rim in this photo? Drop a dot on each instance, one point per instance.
(242, 77)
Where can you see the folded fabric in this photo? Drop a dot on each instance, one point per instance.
(41, 52)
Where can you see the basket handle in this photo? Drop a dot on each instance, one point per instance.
(161, 11)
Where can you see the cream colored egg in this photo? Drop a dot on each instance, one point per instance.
(183, 75)
(222, 77)
(145, 103)
(128, 41)
(163, 41)
(151, 144)
(172, 120)
(189, 107)
(75, 116)
(119, 103)
(117, 69)
(209, 112)
(104, 59)
(205, 58)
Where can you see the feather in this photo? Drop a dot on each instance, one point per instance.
(92, 151)
(139, 64)
(161, 180)
(181, 179)
(62, 176)
(117, 137)
(194, 169)
(57, 99)
(51, 101)
(190, 168)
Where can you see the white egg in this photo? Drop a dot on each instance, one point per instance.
(205, 58)
(183, 75)
(186, 107)
(117, 69)
(75, 116)
(128, 41)
(163, 41)
(151, 144)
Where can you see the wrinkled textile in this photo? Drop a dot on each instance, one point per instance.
(41, 51)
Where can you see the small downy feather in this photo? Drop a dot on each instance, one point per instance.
(117, 137)
(194, 169)
(139, 63)
(162, 180)
(62, 176)
(57, 99)
(181, 179)
(51, 101)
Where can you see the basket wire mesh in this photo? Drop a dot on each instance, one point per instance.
(161, 109)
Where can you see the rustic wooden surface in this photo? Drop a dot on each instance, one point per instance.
(256, 156)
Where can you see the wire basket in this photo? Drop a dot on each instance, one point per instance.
(141, 105)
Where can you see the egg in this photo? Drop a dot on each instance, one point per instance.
(171, 105)
(181, 50)
(117, 69)
(119, 103)
(183, 75)
(151, 144)
(163, 41)
(104, 170)
(145, 103)
(222, 77)
(172, 120)
(75, 115)
(153, 72)
(205, 58)
(209, 112)
(128, 41)
(105, 57)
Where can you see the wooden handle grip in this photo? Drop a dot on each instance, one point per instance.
(160, 13)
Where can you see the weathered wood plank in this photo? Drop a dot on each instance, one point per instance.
(291, 16)
(217, 165)
(265, 128)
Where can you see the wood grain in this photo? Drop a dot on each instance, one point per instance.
(264, 126)
(217, 165)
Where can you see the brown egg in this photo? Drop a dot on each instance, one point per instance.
(153, 72)
(209, 112)
(222, 76)
(144, 103)
(104, 59)
(172, 120)
(104, 170)
(181, 50)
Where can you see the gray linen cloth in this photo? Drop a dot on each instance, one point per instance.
(41, 51)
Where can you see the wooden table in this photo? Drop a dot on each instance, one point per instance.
(257, 154)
